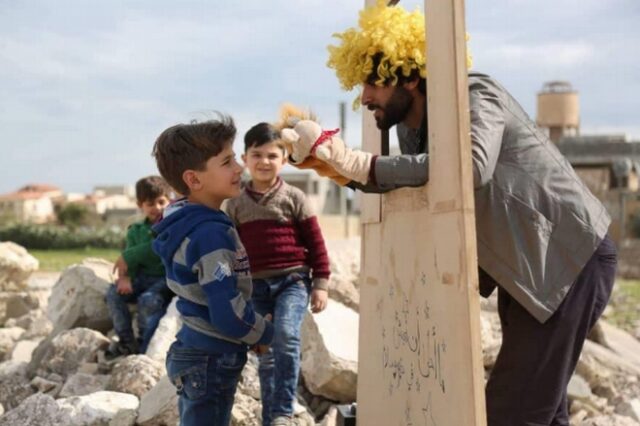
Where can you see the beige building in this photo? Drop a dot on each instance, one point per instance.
(32, 203)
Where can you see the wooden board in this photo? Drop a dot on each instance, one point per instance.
(420, 359)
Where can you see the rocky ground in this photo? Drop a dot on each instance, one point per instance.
(54, 329)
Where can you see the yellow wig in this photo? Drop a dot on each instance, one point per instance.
(399, 36)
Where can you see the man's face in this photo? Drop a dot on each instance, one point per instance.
(390, 104)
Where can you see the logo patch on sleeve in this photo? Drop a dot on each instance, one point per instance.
(222, 270)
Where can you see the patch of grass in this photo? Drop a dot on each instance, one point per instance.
(625, 304)
(57, 260)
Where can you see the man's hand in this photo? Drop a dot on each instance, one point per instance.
(323, 169)
(319, 300)
(123, 285)
(120, 267)
(351, 164)
(262, 349)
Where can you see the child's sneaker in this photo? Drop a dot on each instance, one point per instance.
(117, 349)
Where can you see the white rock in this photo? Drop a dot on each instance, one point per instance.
(23, 349)
(621, 343)
(245, 411)
(630, 409)
(612, 420)
(159, 406)
(135, 374)
(77, 299)
(97, 408)
(8, 339)
(249, 383)
(578, 389)
(16, 304)
(491, 336)
(16, 265)
(330, 352)
(80, 384)
(38, 409)
(14, 386)
(331, 418)
(165, 334)
(64, 353)
(344, 261)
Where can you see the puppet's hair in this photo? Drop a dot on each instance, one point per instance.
(290, 114)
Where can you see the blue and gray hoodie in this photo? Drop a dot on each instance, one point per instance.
(207, 267)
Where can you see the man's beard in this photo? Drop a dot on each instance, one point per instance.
(395, 110)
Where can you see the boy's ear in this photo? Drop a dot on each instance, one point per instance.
(191, 179)
(244, 158)
(139, 204)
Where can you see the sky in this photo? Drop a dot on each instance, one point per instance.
(86, 86)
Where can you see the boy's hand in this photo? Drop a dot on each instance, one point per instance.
(123, 285)
(319, 300)
(262, 349)
(120, 267)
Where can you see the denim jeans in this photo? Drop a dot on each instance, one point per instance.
(152, 297)
(205, 382)
(286, 298)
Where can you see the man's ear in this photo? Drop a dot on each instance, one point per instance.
(191, 179)
(244, 158)
(411, 84)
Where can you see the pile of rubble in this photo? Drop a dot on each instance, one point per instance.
(53, 372)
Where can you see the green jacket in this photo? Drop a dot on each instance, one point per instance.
(138, 254)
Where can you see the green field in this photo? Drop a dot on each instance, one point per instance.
(57, 260)
(625, 304)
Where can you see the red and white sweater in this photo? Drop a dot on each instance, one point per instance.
(280, 233)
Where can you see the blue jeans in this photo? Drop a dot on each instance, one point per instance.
(205, 382)
(152, 296)
(286, 298)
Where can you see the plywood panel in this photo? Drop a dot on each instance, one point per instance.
(420, 354)
(370, 207)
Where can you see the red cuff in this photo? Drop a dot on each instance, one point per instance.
(372, 170)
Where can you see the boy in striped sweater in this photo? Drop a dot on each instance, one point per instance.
(289, 264)
(207, 267)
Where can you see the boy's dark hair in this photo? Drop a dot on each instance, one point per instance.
(261, 134)
(190, 146)
(151, 187)
(415, 74)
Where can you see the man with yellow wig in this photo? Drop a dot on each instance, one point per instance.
(542, 236)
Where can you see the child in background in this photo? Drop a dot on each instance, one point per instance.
(287, 254)
(140, 275)
(207, 267)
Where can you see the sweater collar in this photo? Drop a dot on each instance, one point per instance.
(263, 197)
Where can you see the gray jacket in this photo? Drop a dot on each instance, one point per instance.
(537, 224)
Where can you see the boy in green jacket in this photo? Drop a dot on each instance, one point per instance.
(141, 276)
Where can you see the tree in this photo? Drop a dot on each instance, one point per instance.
(72, 215)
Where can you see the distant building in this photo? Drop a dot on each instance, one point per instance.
(107, 190)
(32, 203)
(609, 165)
(323, 194)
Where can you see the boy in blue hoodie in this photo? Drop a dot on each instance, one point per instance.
(207, 267)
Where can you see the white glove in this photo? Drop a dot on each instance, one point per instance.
(352, 164)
